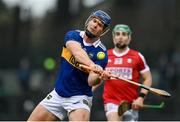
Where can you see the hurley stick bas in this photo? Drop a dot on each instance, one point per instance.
(156, 91)
(125, 106)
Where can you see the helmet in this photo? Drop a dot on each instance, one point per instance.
(122, 27)
(103, 16)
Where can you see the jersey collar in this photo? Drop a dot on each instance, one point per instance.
(122, 53)
(95, 44)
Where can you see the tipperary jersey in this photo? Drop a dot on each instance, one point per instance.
(129, 64)
(71, 79)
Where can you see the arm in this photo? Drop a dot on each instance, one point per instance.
(103, 77)
(77, 51)
(147, 77)
(82, 57)
(96, 80)
(93, 79)
(147, 81)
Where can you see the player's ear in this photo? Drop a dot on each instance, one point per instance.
(130, 38)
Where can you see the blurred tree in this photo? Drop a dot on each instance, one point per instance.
(4, 24)
(62, 12)
(177, 25)
(2, 6)
(16, 28)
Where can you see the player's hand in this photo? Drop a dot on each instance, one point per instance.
(138, 103)
(105, 75)
(96, 68)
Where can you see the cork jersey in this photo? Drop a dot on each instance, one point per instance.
(128, 65)
(71, 79)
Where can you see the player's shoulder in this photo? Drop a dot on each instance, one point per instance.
(73, 35)
(102, 46)
(110, 51)
(134, 52)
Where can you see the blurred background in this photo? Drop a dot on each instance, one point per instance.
(32, 34)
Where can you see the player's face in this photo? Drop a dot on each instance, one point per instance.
(95, 26)
(121, 39)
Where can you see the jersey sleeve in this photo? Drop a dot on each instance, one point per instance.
(72, 35)
(143, 67)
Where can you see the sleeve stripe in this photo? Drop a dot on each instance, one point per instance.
(102, 46)
(145, 64)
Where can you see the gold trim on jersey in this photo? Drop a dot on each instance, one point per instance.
(66, 54)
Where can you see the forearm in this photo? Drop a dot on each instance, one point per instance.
(82, 57)
(93, 79)
(147, 81)
(138, 103)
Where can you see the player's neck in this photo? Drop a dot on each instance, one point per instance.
(118, 50)
(90, 40)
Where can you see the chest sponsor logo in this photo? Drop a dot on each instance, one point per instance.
(124, 72)
(73, 61)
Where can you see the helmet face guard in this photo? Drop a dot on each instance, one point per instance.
(104, 17)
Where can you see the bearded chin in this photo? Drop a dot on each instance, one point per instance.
(120, 46)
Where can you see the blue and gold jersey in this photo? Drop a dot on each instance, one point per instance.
(71, 79)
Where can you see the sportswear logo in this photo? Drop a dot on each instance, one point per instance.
(49, 96)
(85, 102)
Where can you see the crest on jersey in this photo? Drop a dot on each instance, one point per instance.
(118, 61)
(129, 60)
(90, 55)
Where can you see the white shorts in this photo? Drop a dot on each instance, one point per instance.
(130, 115)
(61, 107)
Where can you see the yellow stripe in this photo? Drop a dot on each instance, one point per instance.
(66, 54)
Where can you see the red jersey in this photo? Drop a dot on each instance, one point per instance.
(129, 65)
